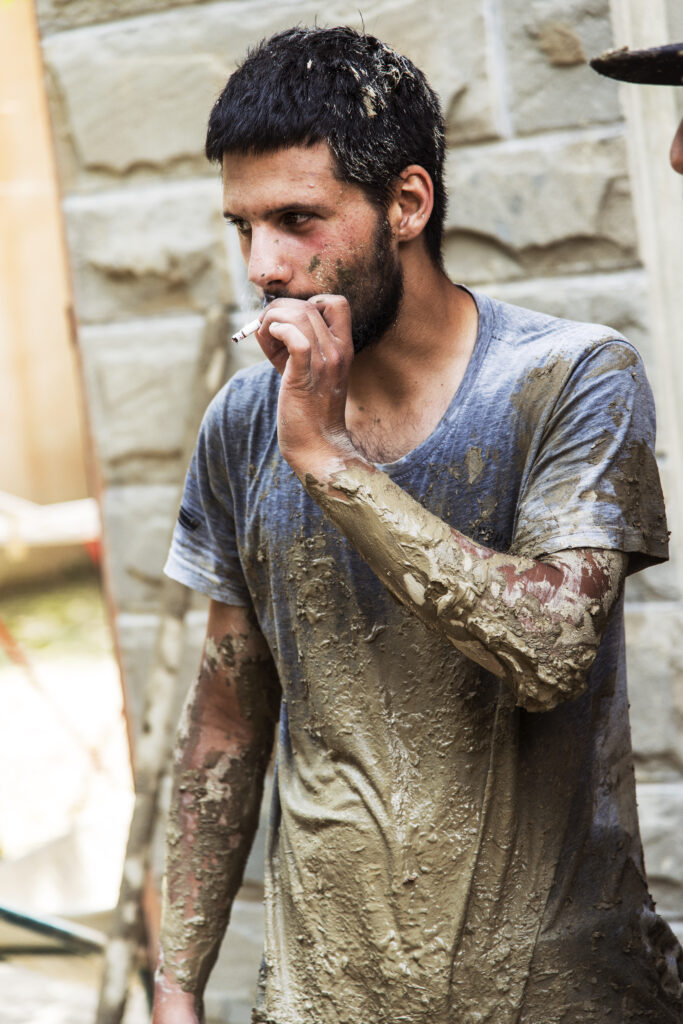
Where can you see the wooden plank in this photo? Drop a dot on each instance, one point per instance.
(39, 402)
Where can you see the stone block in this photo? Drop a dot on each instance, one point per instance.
(663, 582)
(134, 96)
(138, 379)
(452, 45)
(660, 808)
(126, 110)
(136, 635)
(659, 582)
(675, 19)
(148, 251)
(542, 207)
(654, 649)
(138, 520)
(57, 15)
(548, 43)
(619, 300)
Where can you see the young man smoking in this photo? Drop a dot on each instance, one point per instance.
(414, 523)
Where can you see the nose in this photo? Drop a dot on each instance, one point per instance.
(676, 155)
(267, 263)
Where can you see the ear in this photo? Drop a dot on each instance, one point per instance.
(412, 204)
(676, 155)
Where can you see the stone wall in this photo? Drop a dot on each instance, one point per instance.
(541, 213)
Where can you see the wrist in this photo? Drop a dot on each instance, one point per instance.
(171, 997)
(317, 465)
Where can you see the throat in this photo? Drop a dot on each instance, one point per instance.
(376, 448)
(385, 436)
(392, 408)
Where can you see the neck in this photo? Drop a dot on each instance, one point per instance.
(437, 325)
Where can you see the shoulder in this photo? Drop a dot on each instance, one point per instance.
(539, 346)
(248, 391)
(246, 405)
(546, 336)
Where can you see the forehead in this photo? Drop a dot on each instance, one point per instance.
(297, 174)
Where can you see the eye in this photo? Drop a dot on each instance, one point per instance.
(241, 225)
(297, 219)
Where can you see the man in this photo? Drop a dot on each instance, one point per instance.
(415, 520)
(660, 65)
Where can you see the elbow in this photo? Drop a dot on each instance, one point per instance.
(552, 677)
(532, 696)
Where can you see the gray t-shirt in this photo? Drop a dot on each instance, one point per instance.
(436, 854)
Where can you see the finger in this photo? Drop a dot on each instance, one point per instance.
(300, 315)
(297, 363)
(336, 313)
(270, 345)
(293, 312)
(322, 311)
(285, 313)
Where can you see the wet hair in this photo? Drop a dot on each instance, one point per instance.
(371, 105)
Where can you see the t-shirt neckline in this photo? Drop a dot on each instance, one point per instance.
(484, 334)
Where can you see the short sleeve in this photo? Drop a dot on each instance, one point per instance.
(203, 553)
(594, 481)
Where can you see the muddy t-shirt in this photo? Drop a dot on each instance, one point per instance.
(437, 854)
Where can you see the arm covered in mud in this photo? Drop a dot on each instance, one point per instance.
(537, 623)
(222, 751)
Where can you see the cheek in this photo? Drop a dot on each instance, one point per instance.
(320, 258)
(245, 246)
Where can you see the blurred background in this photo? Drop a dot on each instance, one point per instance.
(116, 272)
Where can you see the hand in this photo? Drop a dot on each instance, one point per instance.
(309, 344)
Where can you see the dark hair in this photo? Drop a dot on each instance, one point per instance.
(372, 106)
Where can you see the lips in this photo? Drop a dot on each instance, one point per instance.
(269, 297)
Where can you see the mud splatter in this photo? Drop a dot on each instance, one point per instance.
(474, 464)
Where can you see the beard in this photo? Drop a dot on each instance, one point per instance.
(373, 286)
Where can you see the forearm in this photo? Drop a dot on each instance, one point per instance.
(213, 818)
(526, 621)
(222, 752)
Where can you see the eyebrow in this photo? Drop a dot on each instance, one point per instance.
(275, 210)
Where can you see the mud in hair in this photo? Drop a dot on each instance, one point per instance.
(371, 105)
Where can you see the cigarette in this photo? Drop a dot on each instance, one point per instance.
(248, 329)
